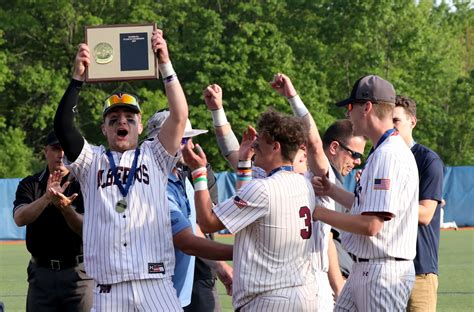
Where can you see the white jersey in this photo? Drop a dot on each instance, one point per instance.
(388, 185)
(137, 243)
(321, 230)
(272, 219)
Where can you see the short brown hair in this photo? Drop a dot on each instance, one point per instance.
(340, 130)
(287, 130)
(408, 104)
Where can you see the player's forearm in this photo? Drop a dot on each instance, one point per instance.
(228, 144)
(68, 135)
(336, 280)
(208, 249)
(207, 220)
(342, 196)
(27, 214)
(368, 225)
(427, 209)
(172, 131)
(317, 160)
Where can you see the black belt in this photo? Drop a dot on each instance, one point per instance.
(58, 264)
(357, 259)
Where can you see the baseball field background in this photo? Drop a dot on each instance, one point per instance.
(456, 280)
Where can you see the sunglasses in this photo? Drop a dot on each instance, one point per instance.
(121, 98)
(354, 155)
(184, 141)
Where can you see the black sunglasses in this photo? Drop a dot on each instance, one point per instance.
(354, 155)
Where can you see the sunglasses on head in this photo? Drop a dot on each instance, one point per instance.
(121, 98)
(354, 155)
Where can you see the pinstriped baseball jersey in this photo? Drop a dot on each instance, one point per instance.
(388, 184)
(136, 244)
(272, 221)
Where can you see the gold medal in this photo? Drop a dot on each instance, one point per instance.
(121, 205)
(103, 53)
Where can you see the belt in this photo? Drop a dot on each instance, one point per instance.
(357, 259)
(58, 264)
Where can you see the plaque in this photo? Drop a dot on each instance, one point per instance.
(121, 53)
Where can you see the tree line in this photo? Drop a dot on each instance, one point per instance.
(425, 49)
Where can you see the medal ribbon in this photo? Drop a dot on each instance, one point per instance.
(284, 168)
(131, 175)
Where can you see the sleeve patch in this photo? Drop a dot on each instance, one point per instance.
(382, 184)
(239, 202)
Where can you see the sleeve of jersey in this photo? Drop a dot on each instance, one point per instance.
(384, 182)
(81, 166)
(164, 160)
(178, 220)
(248, 205)
(431, 180)
(24, 193)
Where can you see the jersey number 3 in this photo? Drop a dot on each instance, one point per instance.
(306, 214)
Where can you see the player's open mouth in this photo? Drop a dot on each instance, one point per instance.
(122, 133)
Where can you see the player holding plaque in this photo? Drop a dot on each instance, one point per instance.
(128, 248)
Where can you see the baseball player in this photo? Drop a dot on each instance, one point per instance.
(431, 171)
(380, 232)
(273, 262)
(128, 246)
(329, 277)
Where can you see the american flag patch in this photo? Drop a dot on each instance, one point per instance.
(239, 202)
(156, 268)
(381, 184)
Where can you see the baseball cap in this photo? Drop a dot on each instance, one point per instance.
(156, 121)
(120, 99)
(371, 88)
(51, 139)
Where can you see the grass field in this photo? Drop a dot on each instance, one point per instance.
(455, 293)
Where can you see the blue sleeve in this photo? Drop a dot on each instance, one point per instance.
(178, 221)
(431, 179)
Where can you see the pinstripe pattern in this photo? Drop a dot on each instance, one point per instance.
(269, 251)
(379, 285)
(299, 298)
(119, 246)
(391, 160)
(140, 295)
(324, 297)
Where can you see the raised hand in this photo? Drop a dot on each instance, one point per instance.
(282, 84)
(193, 155)
(81, 62)
(246, 150)
(159, 46)
(213, 97)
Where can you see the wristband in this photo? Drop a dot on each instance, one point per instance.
(218, 117)
(228, 143)
(166, 70)
(297, 106)
(200, 179)
(244, 164)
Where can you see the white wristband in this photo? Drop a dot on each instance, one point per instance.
(166, 70)
(298, 107)
(244, 164)
(218, 117)
(200, 186)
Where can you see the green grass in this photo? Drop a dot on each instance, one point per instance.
(455, 293)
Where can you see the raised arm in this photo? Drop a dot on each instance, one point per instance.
(172, 131)
(317, 160)
(226, 139)
(68, 135)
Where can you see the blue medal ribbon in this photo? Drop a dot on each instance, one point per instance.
(131, 175)
(383, 138)
(284, 168)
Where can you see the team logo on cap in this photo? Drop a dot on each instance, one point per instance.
(239, 202)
